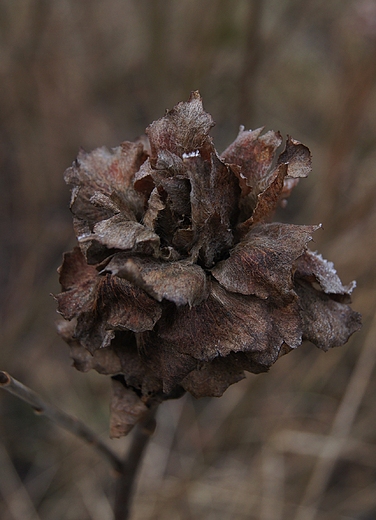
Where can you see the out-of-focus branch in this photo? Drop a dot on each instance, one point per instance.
(251, 62)
(73, 425)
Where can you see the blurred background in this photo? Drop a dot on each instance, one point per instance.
(298, 443)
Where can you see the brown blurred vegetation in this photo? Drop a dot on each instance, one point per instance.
(297, 443)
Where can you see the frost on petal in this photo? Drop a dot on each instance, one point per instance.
(326, 322)
(314, 268)
(262, 263)
(179, 282)
(182, 130)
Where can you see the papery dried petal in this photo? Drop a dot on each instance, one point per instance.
(297, 157)
(162, 357)
(254, 153)
(107, 170)
(326, 323)
(183, 129)
(227, 322)
(119, 233)
(179, 282)
(268, 200)
(127, 409)
(117, 305)
(214, 195)
(143, 179)
(212, 379)
(261, 264)
(154, 211)
(78, 281)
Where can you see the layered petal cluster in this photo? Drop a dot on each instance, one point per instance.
(179, 281)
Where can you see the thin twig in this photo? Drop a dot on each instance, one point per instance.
(61, 418)
(127, 479)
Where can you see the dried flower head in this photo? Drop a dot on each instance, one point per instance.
(179, 282)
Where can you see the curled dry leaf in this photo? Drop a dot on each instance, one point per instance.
(179, 281)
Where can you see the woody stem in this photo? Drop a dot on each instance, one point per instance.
(126, 479)
(69, 423)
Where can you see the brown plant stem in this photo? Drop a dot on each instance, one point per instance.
(126, 480)
(126, 470)
(69, 423)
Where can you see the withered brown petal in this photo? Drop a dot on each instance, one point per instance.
(313, 265)
(91, 332)
(83, 207)
(102, 186)
(226, 322)
(74, 270)
(104, 360)
(143, 180)
(116, 305)
(164, 359)
(121, 358)
(78, 281)
(127, 306)
(155, 207)
(261, 264)
(127, 409)
(168, 164)
(107, 170)
(268, 200)
(119, 233)
(214, 197)
(254, 153)
(179, 282)
(297, 157)
(326, 323)
(177, 197)
(182, 130)
(213, 378)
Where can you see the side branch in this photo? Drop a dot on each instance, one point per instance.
(69, 423)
